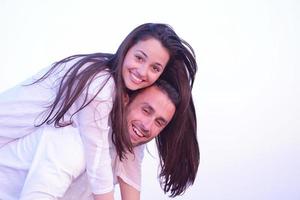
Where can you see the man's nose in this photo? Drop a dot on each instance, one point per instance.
(146, 127)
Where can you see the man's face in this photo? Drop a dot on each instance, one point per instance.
(148, 114)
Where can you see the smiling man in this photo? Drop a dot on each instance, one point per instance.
(52, 165)
(149, 113)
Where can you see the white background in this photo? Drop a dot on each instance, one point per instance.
(246, 93)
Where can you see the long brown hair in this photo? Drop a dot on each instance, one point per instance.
(178, 169)
(177, 144)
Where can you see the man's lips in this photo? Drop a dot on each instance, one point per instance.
(137, 131)
(136, 134)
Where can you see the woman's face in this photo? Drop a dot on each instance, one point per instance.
(144, 63)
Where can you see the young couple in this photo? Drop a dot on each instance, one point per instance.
(96, 103)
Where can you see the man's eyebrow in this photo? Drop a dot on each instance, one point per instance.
(148, 106)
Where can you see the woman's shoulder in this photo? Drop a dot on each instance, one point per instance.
(103, 82)
(105, 78)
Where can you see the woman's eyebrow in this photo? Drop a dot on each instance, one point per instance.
(142, 52)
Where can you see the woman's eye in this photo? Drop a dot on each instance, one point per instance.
(156, 68)
(139, 58)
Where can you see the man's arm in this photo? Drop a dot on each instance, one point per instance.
(106, 196)
(128, 192)
(128, 173)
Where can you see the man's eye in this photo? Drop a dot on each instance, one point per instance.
(146, 111)
(159, 123)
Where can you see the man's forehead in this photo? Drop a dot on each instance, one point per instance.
(155, 98)
(155, 102)
(152, 97)
(151, 93)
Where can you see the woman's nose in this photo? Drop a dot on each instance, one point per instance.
(143, 70)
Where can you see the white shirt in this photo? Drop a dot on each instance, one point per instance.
(21, 108)
(50, 164)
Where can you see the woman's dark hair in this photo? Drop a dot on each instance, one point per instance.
(177, 144)
(180, 72)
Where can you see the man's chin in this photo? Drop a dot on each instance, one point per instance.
(134, 144)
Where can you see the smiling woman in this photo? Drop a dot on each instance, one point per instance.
(144, 63)
(88, 92)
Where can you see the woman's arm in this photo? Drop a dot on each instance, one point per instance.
(128, 192)
(94, 126)
(57, 161)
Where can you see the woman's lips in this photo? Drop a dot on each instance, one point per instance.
(135, 78)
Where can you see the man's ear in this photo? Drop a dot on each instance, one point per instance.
(126, 99)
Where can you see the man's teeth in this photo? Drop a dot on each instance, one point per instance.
(136, 131)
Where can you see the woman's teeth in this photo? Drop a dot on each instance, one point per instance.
(135, 78)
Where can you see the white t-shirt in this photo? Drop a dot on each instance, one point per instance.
(50, 164)
(21, 108)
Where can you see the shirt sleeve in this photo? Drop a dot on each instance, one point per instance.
(130, 169)
(95, 130)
